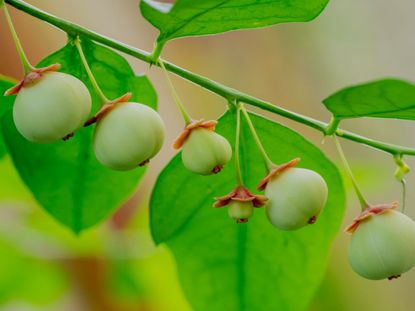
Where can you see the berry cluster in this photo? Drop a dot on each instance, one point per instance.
(51, 106)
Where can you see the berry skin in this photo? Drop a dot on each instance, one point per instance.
(205, 152)
(296, 197)
(51, 107)
(240, 211)
(383, 246)
(128, 135)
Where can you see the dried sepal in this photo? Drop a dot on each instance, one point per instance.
(368, 212)
(31, 78)
(107, 108)
(241, 194)
(181, 139)
(276, 171)
(241, 203)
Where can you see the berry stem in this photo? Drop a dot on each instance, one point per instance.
(268, 163)
(102, 97)
(237, 142)
(27, 67)
(403, 183)
(401, 170)
(186, 117)
(363, 203)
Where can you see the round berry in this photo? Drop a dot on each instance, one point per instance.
(240, 211)
(127, 136)
(296, 197)
(383, 246)
(205, 152)
(51, 107)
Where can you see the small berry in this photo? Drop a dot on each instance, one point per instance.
(382, 243)
(203, 150)
(50, 106)
(128, 135)
(241, 203)
(240, 211)
(296, 196)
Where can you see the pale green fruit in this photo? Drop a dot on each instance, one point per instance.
(296, 197)
(128, 135)
(51, 108)
(205, 152)
(383, 246)
(240, 211)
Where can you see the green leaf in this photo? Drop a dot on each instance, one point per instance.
(195, 18)
(252, 266)
(6, 103)
(389, 98)
(65, 177)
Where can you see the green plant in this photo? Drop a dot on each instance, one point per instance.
(180, 206)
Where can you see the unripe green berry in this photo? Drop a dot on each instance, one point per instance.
(128, 136)
(296, 197)
(205, 152)
(54, 106)
(383, 246)
(240, 211)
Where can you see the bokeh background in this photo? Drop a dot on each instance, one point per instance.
(116, 266)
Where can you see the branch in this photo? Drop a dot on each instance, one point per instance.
(222, 90)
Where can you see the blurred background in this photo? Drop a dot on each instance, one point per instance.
(116, 266)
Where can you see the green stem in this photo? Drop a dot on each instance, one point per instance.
(27, 67)
(268, 163)
(215, 87)
(237, 147)
(187, 119)
(364, 204)
(332, 126)
(401, 170)
(403, 183)
(102, 97)
(158, 48)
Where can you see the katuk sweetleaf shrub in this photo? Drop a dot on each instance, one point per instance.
(302, 202)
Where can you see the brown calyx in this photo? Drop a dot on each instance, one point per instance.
(68, 136)
(277, 171)
(368, 212)
(241, 194)
(217, 169)
(107, 108)
(31, 78)
(181, 139)
(241, 220)
(312, 220)
(144, 163)
(394, 277)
